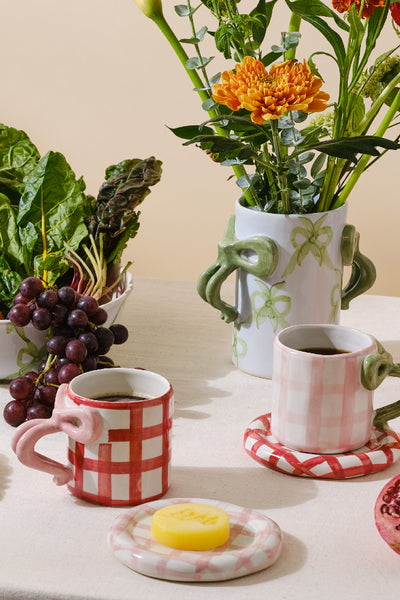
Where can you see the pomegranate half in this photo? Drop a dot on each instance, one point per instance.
(387, 513)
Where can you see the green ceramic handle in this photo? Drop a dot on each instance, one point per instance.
(374, 370)
(363, 273)
(230, 257)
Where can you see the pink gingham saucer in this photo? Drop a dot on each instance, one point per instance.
(382, 450)
(254, 544)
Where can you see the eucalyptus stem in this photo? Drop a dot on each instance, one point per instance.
(282, 175)
(294, 26)
(196, 45)
(362, 163)
(269, 174)
(160, 21)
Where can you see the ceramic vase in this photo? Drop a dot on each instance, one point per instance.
(289, 270)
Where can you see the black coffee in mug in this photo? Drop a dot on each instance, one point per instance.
(325, 351)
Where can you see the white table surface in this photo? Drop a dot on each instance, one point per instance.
(54, 546)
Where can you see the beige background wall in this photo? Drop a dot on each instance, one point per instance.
(96, 80)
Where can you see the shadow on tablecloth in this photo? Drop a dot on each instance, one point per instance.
(5, 475)
(251, 487)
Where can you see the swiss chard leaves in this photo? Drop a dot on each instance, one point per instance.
(9, 283)
(51, 215)
(10, 245)
(18, 157)
(116, 217)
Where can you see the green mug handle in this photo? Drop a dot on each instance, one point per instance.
(363, 273)
(230, 257)
(375, 368)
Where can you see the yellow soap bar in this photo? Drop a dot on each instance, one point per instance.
(190, 526)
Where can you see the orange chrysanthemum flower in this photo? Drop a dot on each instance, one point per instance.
(368, 8)
(270, 94)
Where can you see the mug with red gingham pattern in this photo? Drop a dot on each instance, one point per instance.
(119, 425)
(323, 380)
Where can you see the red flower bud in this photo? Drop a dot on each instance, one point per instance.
(395, 10)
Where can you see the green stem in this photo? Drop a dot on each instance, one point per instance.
(160, 21)
(282, 175)
(362, 163)
(294, 26)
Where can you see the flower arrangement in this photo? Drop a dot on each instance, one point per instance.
(261, 118)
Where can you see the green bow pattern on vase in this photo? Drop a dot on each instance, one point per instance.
(316, 241)
(270, 308)
(239, 346)
(336, 297)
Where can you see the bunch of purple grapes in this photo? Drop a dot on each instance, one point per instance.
(77, 342)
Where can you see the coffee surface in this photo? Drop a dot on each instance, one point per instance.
(122, 397)
(325, 351)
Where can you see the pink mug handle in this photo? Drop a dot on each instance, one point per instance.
(82, 424)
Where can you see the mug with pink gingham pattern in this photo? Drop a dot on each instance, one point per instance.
(119, 426)
(323, 380)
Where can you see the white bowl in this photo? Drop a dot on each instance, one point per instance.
(23, 348)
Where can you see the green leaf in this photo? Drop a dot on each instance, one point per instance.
(298, 116)
(114, 171)
(356, 26)
(264, 10)
(312, 135)
(198, 37)
(9, 284)
(375, 25)
(318, 165)
(306, 157)
(51, 214)
(197, 63)
(291, 137)
(302, 184)
(18, 157)
(349, 147)
(285, 123)
(296, 169)
(304, 8)
(311, 11)
(10, 244)
(357, 112)
(183, 11)
(215, 78)
(246, 122)
(208, 104)
(129, 232)
(224, 148)
(188, 132)
(271, 57)
(201, 33)
(115, 219)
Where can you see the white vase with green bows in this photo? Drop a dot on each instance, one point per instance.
(289, 270)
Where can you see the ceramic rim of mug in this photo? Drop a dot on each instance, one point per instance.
(158, 387)
(296, 338)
